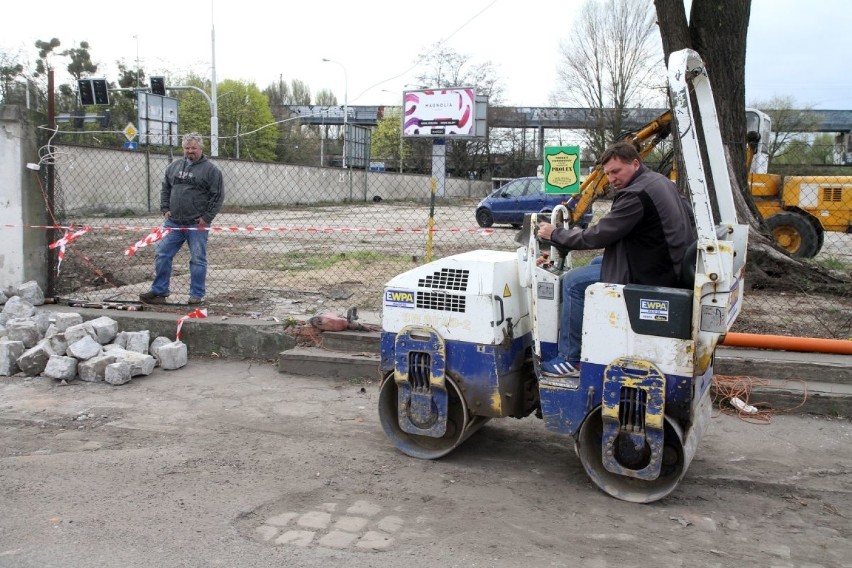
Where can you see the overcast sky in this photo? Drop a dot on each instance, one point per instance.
(794, 48)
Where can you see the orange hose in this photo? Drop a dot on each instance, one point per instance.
(782, 342)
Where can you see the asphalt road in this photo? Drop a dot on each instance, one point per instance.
(230, 463)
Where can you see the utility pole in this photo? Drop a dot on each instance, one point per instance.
(138, 70)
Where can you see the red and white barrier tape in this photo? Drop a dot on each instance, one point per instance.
(265, 229)
(155, 235)
(64, 241)
(200, 313)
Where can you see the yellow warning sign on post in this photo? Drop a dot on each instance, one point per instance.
(130, 132)
(506, 292)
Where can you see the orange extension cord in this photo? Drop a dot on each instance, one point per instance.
(727, 387)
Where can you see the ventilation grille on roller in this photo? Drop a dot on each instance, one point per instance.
(446, 279)
(441, 301)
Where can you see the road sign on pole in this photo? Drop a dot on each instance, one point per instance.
(130, 132)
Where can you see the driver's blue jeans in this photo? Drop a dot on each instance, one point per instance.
(169, 247)
(574, 284)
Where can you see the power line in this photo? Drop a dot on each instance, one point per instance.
(438, 44)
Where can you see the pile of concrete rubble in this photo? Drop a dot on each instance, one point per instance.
(61, 346)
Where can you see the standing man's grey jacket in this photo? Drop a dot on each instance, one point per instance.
(645, 235)
(192, 191)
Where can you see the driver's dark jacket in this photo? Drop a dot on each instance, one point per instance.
(645, 235)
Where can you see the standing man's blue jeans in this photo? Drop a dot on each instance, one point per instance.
(574, 284)
(169, 247)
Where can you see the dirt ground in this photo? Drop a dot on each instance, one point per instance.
(299, 273)
(231, 463)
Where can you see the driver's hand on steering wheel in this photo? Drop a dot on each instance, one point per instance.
(545, 230)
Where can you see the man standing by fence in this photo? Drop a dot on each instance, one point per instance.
(191, 196)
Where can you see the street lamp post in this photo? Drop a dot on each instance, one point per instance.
(345, 102)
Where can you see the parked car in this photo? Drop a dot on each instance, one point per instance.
(513, 201)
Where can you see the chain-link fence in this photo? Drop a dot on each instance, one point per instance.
(294, 240)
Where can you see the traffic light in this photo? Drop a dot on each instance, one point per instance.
(105, 117)
(158, 86)
(77, 117)
(99, 86)
(87, 95)
(93, 91)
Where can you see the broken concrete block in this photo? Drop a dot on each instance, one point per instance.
(33, 361)
(117, 373)
(94, 369)
(60, 367)
(3, 298)
(64, 320)
(83, 349)
(156, 344)
(57, 343)
(137, 341)
(173, 355)
(105, 328)
(17, 307)
(42, 320)
(9, 353)
(140, 363)
(24, 330)
(77, 332)
(31, 292)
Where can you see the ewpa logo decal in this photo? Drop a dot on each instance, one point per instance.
(654, 310)
(399, 298)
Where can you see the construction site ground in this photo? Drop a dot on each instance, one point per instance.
(233, 463)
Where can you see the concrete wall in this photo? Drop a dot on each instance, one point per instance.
(23, 251)
(95, 180)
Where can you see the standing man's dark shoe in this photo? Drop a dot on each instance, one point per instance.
(152, 298)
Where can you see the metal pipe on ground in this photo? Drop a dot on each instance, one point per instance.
(782, 342)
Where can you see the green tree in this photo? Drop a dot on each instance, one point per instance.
(45, 51)
(325, 97)
(297, 143)
(10, 71)
(238, 103)
(246, 128)
(385, 140)
(81, 61)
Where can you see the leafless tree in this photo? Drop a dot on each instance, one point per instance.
(441, 66)
(788, 120)
(611, 61)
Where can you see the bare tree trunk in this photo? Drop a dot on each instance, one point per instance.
(717, 31)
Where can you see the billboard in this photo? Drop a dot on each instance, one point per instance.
(436, 113)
